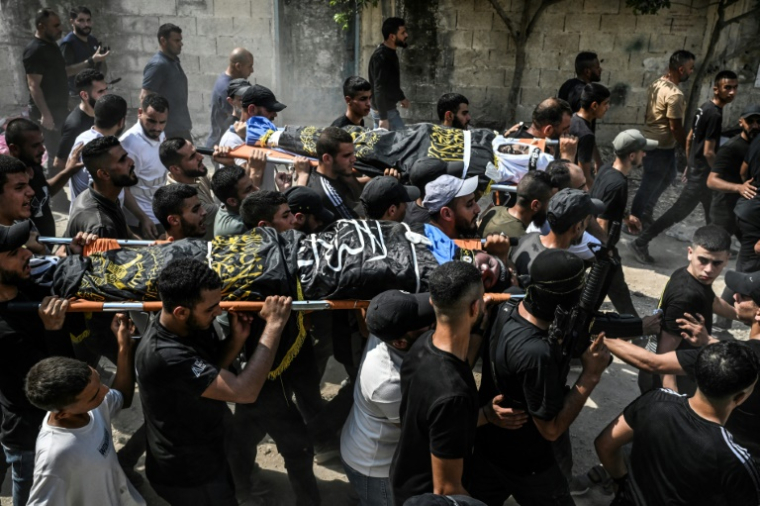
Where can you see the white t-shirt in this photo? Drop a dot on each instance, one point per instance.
(151, 173)
(373, 428)
(582, 249)
(79, 466)
(233, 140)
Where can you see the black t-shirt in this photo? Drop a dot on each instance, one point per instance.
(749, 210)
(336, 196)
(728, 163)
(571, 91)
(744, 420)
(75, 51)
(42, 215)
(76, 122)
(679, 458)
(584, 130)
(532, 382)
(685, 294)
(706, 127)
(416, 214)
(611, 187)
(343, 121)
(185, 431)
(525, 252)
(439, 415)
(44, 58)
(24, 342)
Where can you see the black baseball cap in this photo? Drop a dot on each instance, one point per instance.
(745, 283)
(305, 200)
(387, 190)
(570, 206)
(15, 236)
(237, 87)
(428, 169)
(263, 97)
(393, 313)
(750, 110)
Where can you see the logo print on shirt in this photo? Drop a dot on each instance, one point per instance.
(198, 367)
(105, 445)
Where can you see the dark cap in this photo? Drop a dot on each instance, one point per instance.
(306, 201)
(427, 169)
(570, 206)
(262, 97)
(237, 87)
(384, 190)
(393, 313)
(15, 236)
(745, 283)
(750, 110)
(442, 500)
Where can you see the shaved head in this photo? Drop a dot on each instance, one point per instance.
(240, 55)
(241, 63)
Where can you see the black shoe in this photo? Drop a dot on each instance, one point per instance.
(641, 252)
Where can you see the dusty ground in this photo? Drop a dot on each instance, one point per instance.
(615, 391)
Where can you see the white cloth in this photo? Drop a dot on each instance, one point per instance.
(81, 180)
(582, 249)
(151, 173)
(515, 159)
(372, 430)
(79, 466)
(233, 140)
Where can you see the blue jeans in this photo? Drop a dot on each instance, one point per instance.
(372, 491)
(394, 119)
(22, 473)
(659, 171)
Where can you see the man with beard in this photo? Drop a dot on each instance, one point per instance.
(533, 193)
(185, 166)
(142, 142)
(333, 178)
(185, 384)
(664, 123)
(587, 71)
(452, 206)
(551, 120)
(309, 213)
(439, 400)
(385, 198)
(180, 211)
(97, 209)
(25, 339)
(385, 78)
(79, 48)
(357, 93)
(454, 111)
(91, 85)
(702, 146)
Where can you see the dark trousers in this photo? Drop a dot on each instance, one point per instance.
(217, 492)
(618, 292)
(693, 193)
(722, 213)
(659, 171)
(748, 260)
(52, 137)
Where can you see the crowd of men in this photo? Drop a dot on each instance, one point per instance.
(409, 424)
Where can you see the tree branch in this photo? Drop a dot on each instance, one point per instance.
(504, 17)
(536, 15)
(740, 17)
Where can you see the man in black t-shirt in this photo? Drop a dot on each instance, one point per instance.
(357, 93)
(439, 399)
(681, 454)
(80, 49)
(595, 102)
(587, 70)
(701, 146)
(333, 179)
(531, 373)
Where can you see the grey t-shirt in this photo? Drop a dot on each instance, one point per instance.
(227, 223)
(164, 75)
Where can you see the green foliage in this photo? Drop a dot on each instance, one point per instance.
(346, 9)
(647, 6)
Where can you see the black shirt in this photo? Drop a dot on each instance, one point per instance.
(584, 130)
(679, 458)
(385, 79)
(75, 51)
(343, 121)
(749, 210)
(611, 187)
(76, 122)
(24, 342)
(185, 431)
(525, 252)
(530, 379)
(44, 58)
(571, 91)
(93, 213)
(728, 163)
(416, 214)
(439, 414)
(42, 215)
(336, 196)
(706, 127)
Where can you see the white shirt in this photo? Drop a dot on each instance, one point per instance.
(151, 173)
(80, 181)
(372, 430)
(233, 140)
(582, 249)
(79, 466)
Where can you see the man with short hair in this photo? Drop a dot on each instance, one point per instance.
(533, 193)
(664, 124)
(80, 49)
(185, 384)
(385, 76)
(240, 66)
(595, 102)
(385, 198)
(75, 460)
(90, 85)
(163, 76)
(357, 92)
(454, 111)
(333, 177)
(310, 216)
(672, 434)
(180, 212)
(422, 172)
(702, 146)
(452, 206)
(231, 186)
(266, 208)
(230, 137)
(587, 71)
(439, 406)
(551, 120)
(16, 194)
